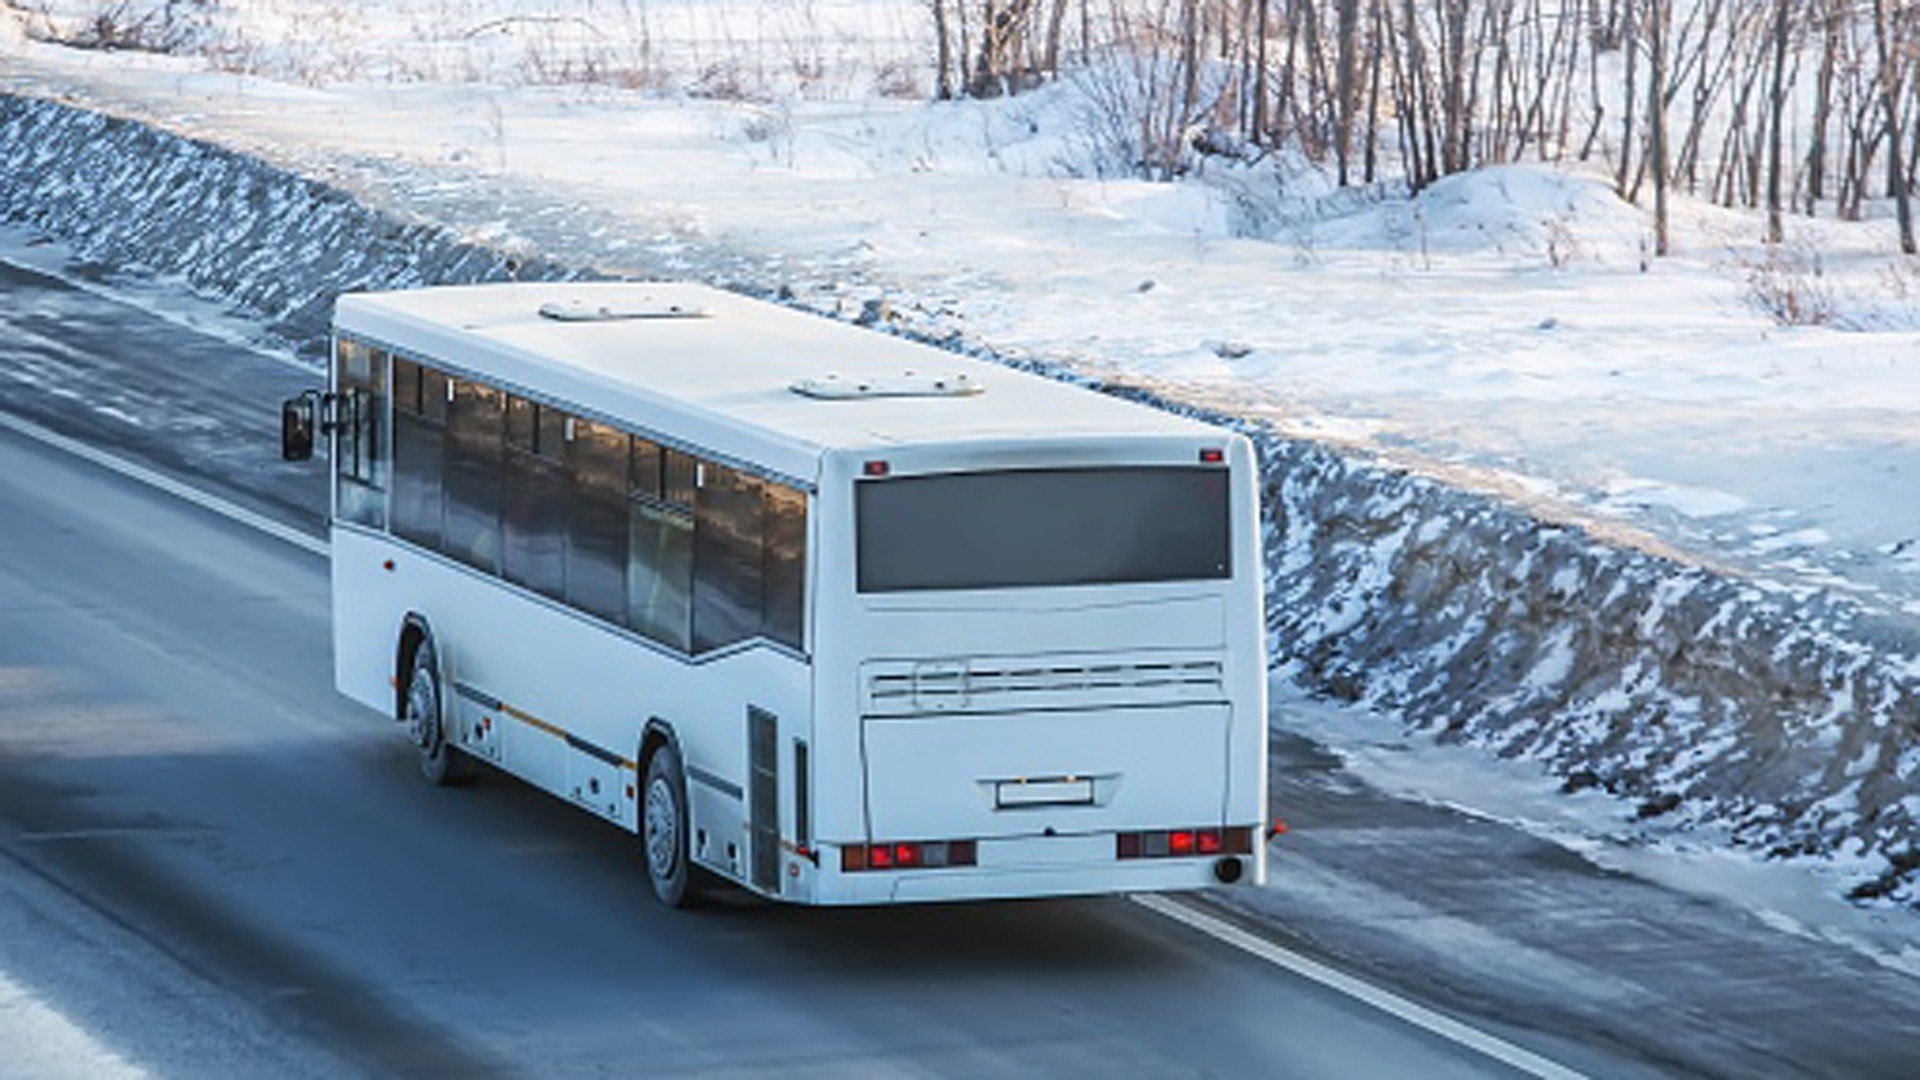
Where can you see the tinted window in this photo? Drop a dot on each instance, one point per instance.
(679, 477)
(597, 463)
(533, 502)
(660, 572)
(690, 553)
(361, 449)
(645, 467)
(533, 523)
(406, 384)
(476, 419)
(418, 446)
(1042, 527)
(522, 424)
(727, 572)
(784, 572)
(436, 392)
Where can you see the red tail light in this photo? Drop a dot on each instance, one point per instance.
(929, 855)
(874, 468)
(1212, 456)
(1177, 843)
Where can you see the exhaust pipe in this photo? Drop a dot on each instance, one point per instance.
(1228, 870)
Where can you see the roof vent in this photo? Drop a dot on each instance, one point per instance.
(639, 307)
(906, 384)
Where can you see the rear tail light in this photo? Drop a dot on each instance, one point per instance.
(1179, 843)
(909, 856)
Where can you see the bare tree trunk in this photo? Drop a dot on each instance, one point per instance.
(1890, 100)
(1260, 117)
(1776, 229)
(1657, 118)
(943, 49)
(1373, 92)
(1822, 106)
(1347, 27)
(1454, 104)
(1055, 25)
(1629, 33)
(1190, 34)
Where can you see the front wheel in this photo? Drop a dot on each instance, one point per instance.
(665, 828)
(425, 714)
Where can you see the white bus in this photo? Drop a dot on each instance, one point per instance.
(836, 617)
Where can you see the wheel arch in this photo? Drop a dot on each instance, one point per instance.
(656, 734)
(415, 631)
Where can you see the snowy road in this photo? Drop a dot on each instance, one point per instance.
(216, 866)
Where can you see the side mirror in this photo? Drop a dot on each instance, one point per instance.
(296, 428)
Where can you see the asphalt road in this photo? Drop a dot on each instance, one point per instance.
(174, 762)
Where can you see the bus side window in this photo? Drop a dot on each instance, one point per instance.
(360, 449)
(784, 568)
(729, 520)
(533, 515)
(644, 467)
(476, 420)
(597, 465)
(679, 476)
(659, 551)
(418, 438)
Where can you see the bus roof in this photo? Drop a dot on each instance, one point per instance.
(726, 378)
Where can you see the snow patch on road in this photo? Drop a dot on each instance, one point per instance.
(41, 1044)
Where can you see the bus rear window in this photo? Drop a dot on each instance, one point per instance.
(1041, 527)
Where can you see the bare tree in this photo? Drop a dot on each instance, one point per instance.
(1776, 230)
(1889, 80)
(943, 61)
(1696, 97)
(1659, 23)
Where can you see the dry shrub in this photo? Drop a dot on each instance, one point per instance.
(901, 80)
(130, 25)
(1788, 282)
(727, 80)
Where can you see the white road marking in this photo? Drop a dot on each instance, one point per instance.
(1220, 930)
(225, 508)
(1386, 1001)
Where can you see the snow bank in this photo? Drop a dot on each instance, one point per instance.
(277, 245)
(1527, 210)
(1790, 719)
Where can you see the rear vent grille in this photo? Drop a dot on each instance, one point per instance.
(992, 684)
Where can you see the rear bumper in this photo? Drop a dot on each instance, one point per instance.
(1011, 869)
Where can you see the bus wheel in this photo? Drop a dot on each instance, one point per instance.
(664, 830)
(424, 714)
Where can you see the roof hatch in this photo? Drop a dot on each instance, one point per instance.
(643, 306)
(906, 384)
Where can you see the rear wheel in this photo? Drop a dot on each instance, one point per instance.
(425, 714)
(665, 828)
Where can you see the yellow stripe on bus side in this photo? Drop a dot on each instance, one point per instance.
(554, 729)
(529, 718)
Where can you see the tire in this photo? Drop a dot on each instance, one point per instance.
(424, 711)
(665, 831)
